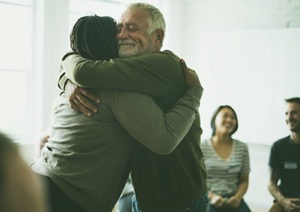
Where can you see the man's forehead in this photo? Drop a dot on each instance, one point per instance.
(138, 23)
(293, 106)
(134, 15)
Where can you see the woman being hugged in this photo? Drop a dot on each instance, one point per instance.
(227, 162)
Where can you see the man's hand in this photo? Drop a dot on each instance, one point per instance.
(290, 204)
(81, 100)
(191, 77)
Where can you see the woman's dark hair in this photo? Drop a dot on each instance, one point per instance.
(213, 119)
(94, 37)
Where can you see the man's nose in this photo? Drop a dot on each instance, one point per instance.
(122, 33)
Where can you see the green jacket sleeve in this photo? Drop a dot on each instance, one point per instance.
(159, 131)
(157, 74)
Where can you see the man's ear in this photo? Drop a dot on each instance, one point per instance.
(159, 36)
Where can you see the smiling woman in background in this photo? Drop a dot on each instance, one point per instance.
(227, 162)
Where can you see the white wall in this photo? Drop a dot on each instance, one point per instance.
(247, 55)
(254, 71)
(258, 196)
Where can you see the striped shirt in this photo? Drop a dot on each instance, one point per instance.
(223, 174)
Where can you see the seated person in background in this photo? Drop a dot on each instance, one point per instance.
(20, 189)
(284, 163)
(227, 163)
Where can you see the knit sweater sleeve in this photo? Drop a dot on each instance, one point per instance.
(154, 74)
(158, 131)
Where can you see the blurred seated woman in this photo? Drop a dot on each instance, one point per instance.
(227, 163)
(20, 189)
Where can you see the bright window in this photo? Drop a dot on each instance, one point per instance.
(15, 65)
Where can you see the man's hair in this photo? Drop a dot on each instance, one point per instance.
(293, 100)
(94, 37)
(213, 119)
(156, 20)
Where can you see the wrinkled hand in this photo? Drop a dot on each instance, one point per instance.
(81, 100)
(234, 202)
(290, 204)
(191, 77)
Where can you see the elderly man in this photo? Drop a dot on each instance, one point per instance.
(174, 182)
(87, 159)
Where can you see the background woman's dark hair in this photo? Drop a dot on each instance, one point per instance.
(213, 119)
(94, 37)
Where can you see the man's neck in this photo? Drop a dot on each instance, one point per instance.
(295, 136)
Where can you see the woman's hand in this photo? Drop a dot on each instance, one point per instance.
(216, 200)
(81, 100)
(234, 201)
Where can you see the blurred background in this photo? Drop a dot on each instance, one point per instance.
(247, 55)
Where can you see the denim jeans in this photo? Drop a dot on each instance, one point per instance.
(125, 203)
(243, 207)
(200, 205)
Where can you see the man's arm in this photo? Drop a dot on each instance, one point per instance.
(155, 74)
(273, 187)
(146, 122)
(287, 203)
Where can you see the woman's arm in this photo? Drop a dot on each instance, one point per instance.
(236, 199)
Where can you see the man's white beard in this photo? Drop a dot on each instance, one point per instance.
(127, 48)
(127, 51)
